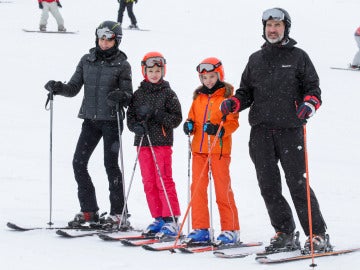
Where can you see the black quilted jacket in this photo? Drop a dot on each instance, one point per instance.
(99, 77)
(159, 97)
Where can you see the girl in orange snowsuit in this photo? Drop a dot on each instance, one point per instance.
(203, 122)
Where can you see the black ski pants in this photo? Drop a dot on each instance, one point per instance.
(91, 133)
(269, 146)
(129, 7)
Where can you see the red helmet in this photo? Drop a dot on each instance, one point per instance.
(357, 33)
(211, 64)
(151, 59)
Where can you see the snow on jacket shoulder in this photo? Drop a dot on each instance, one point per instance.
(206, 108)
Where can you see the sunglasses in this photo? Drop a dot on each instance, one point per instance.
(152, 61)
(207, 67)
(105, 33)
(274, 14)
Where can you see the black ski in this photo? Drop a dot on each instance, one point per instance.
(267, 260)
(16, 227)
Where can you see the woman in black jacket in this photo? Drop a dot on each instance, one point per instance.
(106, 76)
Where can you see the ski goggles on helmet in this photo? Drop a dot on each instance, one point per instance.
(273, 14)
(105, 33)
(207, 67)
(154, 61)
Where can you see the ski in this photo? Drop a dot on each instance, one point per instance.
(50, 32)
(135, 29)
(139, 243)
(69, 235)
(172, 247)
(346, 68)
(267, 260)
(221, 254)
(16, 227)
(218, 247)
(106, 237)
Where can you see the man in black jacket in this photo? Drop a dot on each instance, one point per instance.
(106, 76)
(281, 87)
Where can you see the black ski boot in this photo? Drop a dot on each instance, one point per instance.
(284, 242)
(321, 243)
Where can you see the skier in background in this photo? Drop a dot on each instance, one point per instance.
(51, 6)
(203, 123)
(153, 113)
(128, 4)
(106, 76)
(281, 87)
(356, 61)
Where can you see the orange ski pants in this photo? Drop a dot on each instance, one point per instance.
(224, 195)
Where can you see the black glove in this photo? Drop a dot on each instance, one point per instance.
(41, 5)
(230, 105)
(144, 112)
(58, 4)
(139, 129)
(159, 115)
(56, 87)
(117, 97)
(188, 127)
(211, 129)
(135, 1)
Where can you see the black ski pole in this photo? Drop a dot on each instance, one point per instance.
(50, 100)
(121, 160)
(132, 176)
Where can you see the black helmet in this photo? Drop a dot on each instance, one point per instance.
(277, 14)
(111, 30)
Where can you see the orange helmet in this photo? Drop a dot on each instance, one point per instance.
(211, 64)
(151, 59)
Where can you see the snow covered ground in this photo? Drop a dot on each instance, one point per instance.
(185, 32)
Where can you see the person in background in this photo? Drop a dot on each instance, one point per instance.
(281, 87)
(153, 114)
(106, 76)
(51, 6)
(203, 123)
(128, 5)
(356, 61)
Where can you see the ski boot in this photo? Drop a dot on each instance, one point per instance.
(198, 236)
(282, 242)
(154, 227)
(321, 243)
(168, 230)
(116, 222)
(82, 218)
(133, 27)
(228, 237)
(42, 28)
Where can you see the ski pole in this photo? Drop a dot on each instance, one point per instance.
(121, 160)
(201, 174)
(50, 100)
(210, 196)
(313, 264)
(132, 177)
(189, 180)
